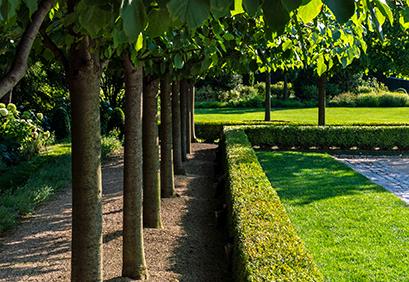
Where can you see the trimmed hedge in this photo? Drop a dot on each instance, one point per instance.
(343, 137)
(266, 245)
(213, 130)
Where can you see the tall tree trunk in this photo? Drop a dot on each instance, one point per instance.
(285, 89)
(133, 257)
(151, 176)
(83, 81)
(183, 117)
(166, 139)
(192, 93)
(321, 100)
(176, 132)
(188, 117)
(267, 100)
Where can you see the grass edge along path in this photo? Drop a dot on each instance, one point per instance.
(355, 229)
(49, 172)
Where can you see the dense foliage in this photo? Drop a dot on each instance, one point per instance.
(266, 245)
(341, 137)
(21, 134)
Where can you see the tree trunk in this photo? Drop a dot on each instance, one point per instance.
(285, 89)
(176, 132)
(83, 81)
(166, 144)
(183, 117)
(188, 117)
(133, 258)
(321, 100)
(267, 100)
(192, 93)
(151, 177)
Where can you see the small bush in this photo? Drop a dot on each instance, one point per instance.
(394, 100)
(60, 124)
(344, 100)
(110, 144)
(308, 92)
(367, 100)
(117, 121)
(266, 245)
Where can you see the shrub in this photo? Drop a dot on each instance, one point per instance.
(21, 136)
(308, 92)
(266, 245)
(206, 94)
(344, 100)
(367, 100)
(60, 124)
(394, 100)
(332, 89)
(117, 121)
(343, 137)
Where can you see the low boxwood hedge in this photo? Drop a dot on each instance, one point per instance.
(343, 137)
(266, 246)
(213, 130)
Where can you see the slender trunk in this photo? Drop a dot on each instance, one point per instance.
(192, 112)
(166, 144)
(133, 258)
(183, 117)
(83, 81)
(188, 118)
(267, 100)
(285, 90)
(151, 177)
(176, 132)
(321, 100)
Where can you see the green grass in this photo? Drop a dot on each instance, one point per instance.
(355, 230)
(309, 115)
(33, 182)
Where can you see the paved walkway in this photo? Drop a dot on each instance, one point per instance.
(391, 172)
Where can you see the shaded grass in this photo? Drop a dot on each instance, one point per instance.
(309, 115)
(40, 179)
(356, 230)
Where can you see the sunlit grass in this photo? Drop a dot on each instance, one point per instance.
(356, 230)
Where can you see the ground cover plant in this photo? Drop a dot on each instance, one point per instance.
(355, 230)
(309, 116)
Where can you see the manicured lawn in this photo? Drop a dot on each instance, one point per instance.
(356, 230)
(309, 115)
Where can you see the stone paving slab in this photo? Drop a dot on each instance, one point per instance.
(391, 172)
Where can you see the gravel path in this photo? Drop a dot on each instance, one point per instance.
(188, 248)
(391, 172)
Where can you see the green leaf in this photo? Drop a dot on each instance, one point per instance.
(404, 18)
(220, 8)
(321, 66)
(291, 5)
(139, 42)
(342, 9)
(191, 12)
(384, 9)
(251, 6)
(31, 5)
(159, 22)
(178, 61)
(310, 11)
(92, 18)
(275, 15)
(134, 18)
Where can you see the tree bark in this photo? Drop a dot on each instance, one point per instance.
(151, 177)
(133, 257)
(192, 93)
(285, 89)
(188, 96)
(83, 81)
(176, 132)
(19, 67)
(166, 139)
(321, 100)
(183, 117)
(267, 100)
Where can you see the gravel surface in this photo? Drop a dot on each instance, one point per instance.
(188, 248)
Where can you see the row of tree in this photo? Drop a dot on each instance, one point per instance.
(161, 44)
